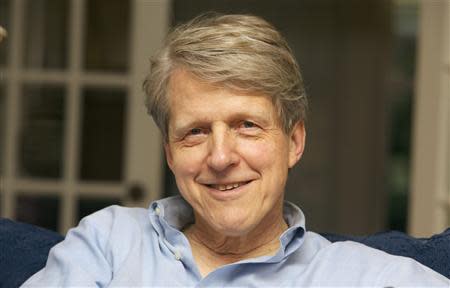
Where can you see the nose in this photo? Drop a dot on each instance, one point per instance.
(222, 154)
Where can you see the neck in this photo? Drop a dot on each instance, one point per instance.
(212, 250)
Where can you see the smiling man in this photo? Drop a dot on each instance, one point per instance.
(228, 97)
(230, 157)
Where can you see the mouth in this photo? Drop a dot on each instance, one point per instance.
(227, 187)
(228, 191)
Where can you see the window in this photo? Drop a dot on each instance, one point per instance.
(72, 69)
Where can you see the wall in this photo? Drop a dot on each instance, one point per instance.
(343, 48)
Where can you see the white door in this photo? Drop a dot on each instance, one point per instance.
(74, 134)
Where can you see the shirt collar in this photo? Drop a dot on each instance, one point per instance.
(170, 215)
(173, 210)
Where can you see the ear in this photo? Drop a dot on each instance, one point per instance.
(296, 143)
(168, 153)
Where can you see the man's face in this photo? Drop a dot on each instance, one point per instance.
(229, 154)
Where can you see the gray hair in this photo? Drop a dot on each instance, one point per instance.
(240, 52)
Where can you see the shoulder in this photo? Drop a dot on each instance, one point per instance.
(114, 225)
(108, 233)
(113, 216)
(348, 259)
(95, 250)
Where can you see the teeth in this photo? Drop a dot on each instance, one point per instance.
(226, 187)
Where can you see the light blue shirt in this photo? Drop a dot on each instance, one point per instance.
(120, 246)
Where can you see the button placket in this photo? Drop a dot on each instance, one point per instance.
(177, 255)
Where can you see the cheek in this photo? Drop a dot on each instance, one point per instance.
(187, 162)
(263, 154)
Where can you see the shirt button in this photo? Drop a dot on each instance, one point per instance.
(177, 255)
(157, 211)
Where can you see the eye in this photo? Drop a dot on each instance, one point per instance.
(195, 131)
(194, 136)
(249, 128)
(248, 124)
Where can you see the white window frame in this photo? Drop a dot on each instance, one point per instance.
(429, 207)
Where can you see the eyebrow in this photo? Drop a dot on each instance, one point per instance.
(259, 117)
(183, 128)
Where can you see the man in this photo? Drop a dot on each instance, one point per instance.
(228, 97)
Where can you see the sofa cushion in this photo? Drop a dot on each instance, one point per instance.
(23, 251)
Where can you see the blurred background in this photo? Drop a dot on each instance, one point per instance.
(74, 135)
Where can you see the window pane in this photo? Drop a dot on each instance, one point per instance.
(106, 35)
(5, 23)
(42, 131)
(38, 210)
(103, 134)
(405, 16)
(46, 33)
(89, 205)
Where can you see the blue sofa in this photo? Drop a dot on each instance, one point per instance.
(24, 249)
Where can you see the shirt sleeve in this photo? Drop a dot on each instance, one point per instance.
(82, 258)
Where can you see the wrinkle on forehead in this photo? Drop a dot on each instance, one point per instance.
(193, 88)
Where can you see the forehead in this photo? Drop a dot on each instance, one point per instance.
(191, 97)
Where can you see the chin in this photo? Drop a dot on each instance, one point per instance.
(234, 227)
